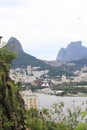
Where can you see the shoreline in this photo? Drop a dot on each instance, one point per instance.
(67, 95)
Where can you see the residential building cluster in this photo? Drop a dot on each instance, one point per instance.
(28, 75)
(35, 76)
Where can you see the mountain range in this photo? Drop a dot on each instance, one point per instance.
(73, 58)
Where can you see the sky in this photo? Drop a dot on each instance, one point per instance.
(44, 26)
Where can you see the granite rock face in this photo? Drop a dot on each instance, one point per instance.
(15, 45)
(74, 51)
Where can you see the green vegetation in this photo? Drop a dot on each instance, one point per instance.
(71, 88)
(11, 104)
(24, 59)
(79, 63)
(56, 119)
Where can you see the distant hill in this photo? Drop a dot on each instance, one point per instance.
(74, 51)
(77, 64)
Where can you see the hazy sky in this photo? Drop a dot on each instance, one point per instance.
(44, 26)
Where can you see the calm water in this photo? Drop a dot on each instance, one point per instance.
(47, 101)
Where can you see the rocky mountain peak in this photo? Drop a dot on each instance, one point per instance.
(74, 51)
(75, 44)
(14, 44)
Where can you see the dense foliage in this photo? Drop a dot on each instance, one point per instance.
(11, 104)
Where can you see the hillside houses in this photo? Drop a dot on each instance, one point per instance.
(40, 77)
(28, 75)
